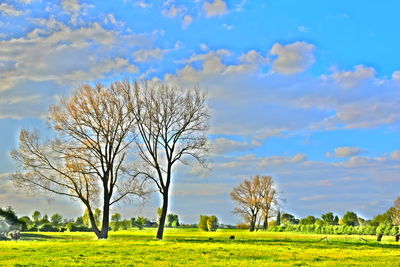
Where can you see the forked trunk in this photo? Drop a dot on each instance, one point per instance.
(163, 216)
(106, 218)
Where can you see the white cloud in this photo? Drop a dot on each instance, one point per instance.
(303, 29)
(215, 8)
(351, 79)
(186, 21)
(345, 151)
(396, 75)
(313, 197)
(144, 55)
(143, 4)
(224, 145)
(228, 27)
(292, 58)
(71, 6)
(171, 10)
(10, 10)
(396, 155)
(110, 18)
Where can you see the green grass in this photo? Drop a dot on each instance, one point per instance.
(190, 247)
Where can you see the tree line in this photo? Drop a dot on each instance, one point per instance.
(257, 202)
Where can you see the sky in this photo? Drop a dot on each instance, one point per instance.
(307, 92)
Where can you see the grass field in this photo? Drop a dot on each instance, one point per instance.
(190, 247)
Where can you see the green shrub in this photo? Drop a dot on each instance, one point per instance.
(212, 223)
(48, 227)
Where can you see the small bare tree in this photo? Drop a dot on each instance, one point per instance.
(171, 127)
(247, 197)
(85, 159)
(256, 198)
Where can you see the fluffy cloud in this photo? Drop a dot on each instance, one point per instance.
(10, 10)
(218, 7)
(396, 75)
(345, 151)
(54, 56)
(292, 58)
(171, 10)
(396, 155)
(351, 79)
(224, 145)
(186, 21)
(144, 55)
(71, 6)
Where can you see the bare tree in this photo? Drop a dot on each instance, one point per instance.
(85, 158)
(256, 198)
(268, 198)
(171, 127)
(247, 197)
(396, 212)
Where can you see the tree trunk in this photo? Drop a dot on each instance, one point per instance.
(163, 216)
(106, 218)
(265, 225)
(93, 223)
(252, 223)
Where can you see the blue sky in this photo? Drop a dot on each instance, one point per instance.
(304, 91)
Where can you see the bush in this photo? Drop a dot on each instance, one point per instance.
(243, 226)
(33, 228)
(47, 227)
(72, 227)
(212, 223)
(203, 223)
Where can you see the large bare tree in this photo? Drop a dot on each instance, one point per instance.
(171, 126)
(85, 158)
(256, 198)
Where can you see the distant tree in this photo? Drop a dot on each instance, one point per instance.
(133, 222)
(384, 218)
(116, 221)
(328, 218)
(203, 222)
(116, 217)
(79, 221)
(10, 217)
(287, 218)
(278, 217)
(141, 222)
(172, 220)
(361, 221)
(268, 197)
(45, 219)
(350, 219)
(212, 223)
(256, 198)
(97, 217)
(396, 212)
(36, 216)
(27, 220)
(308, 220)
(56, 219)
(336, 220)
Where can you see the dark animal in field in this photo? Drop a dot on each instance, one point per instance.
(397, 237)
(379, 237)
(232, 237)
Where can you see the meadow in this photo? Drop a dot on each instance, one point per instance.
(191, 247)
